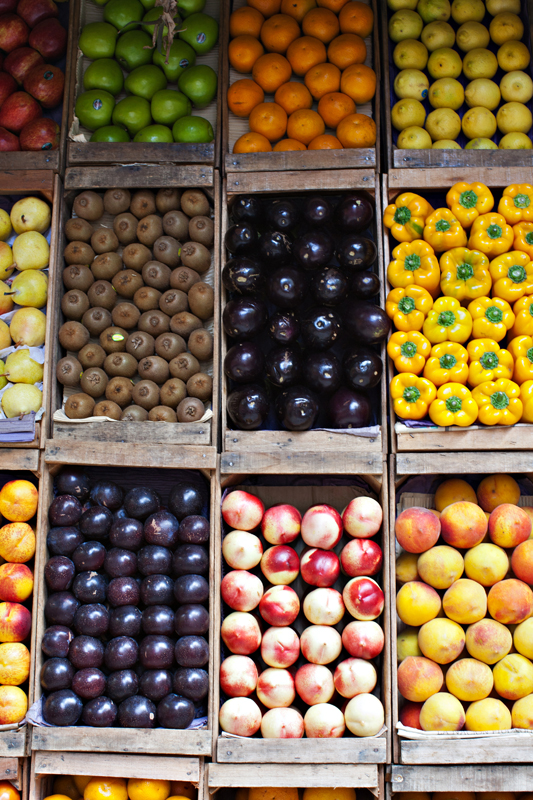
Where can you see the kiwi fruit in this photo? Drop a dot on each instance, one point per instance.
(97, 320)
(104, 240)
(79, 406)
(125, 315)
(116, 201)
(194, 203)
(146, 394)
(119, 390)
(184, 366)
(78, 253)
(126, 282)
(113, 340)
(173, 392)
(125, 227)
(154, 322)
(153, 368)
(167, 250)
(143, 203)
(149, 229)
(106, 265)
(176, 224)
(200, 344)
(162, 414)
(173, 301)
(167, 200)
(200, 386)
(136, 255)
(93, 381)
(183, 278)
(202, 300)
(107, 408)
(202, 229)
(169, 345)
(146, 298)
(78, 276)
(74, 304)
(68, 371)
(157, 275)
(78, 230)
(140, 344)
(184, 323)
(73, 336)
(196, 256)
(190, 410)
(88, 205)
(92, 355)
(121, 365)
(134, 414)
(102, 294)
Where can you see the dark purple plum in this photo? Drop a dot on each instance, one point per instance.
(191, 651)
(241, 239)
(127, 533)
(297, 408)
(314, 249)
(120, 563)
(191, 589)
(92, 619)
(73, 481)
(243, 276)
(287, 287)
(95, 523)
(56, 673)
(62, 708)
(89, 556)
(108, 494)
(244, 362)
(161, 529)
(354, 213)
(141, 502)
(156, 652)
(362, 367)
(56, 641)
(283, 215)
(366, 322)
(137, 712)
(244, 318)
(329, 286)
(317, 211)
(175, 712)
(284, 327)
(123, 592)
(120, 514)
(154, 560)
(99, 713)
(59, 573)
(321, 327)
(122, 684)
(274, 248)
(194, 529)
(158, 620)
(121, 653)
(86, 651)
(248, 407)
(349, 408)
(247, 208)
(191, 620)
(125, 621)
(191, 683)
(64, 510)
(190, 559)
(322, 372)
(283, 366)
(155, 684)
(365, 285)
(63, 541)
(60, 609)
(157, 590)
(89, 683)
(90, 587)
(186, 499)
(356, 253)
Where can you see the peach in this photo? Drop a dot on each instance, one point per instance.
(17, 542)
(16, 582)
(407, 567)
(241, 590)
(463, 524)
(280, 647)
(364, 715)
(453, 491)
(442, 712)
(238, 676)
(417, 603)
(282, 723)
(522, 713)
(510, 601)
(242, 510)
(407, 643)
(486, 564)
(363, 598)
(419, 678)
(361, 557)
(513, 676)
(324, 607)
(281, 524)
(314, 684)
(410, 715)
(442, 640)
(240, 716)
(465, 602)
(14, 663)
(529, 512)
(280, 564)
(13, 705)
(497, 489)
(275, 688)
(522, 561)
(509, 525)
(362, 517)
(279, 606)
(417, 529)
(324, 721)
(242, 550)
(440, 566)
(523, 638)
(469, 679)
(322, 527)
(363, 639)
(15, 622)
(488, 641)
(355, 676)
(240, 633)
(489, 714)
(18, 500)
(321, 644)
(320, 567)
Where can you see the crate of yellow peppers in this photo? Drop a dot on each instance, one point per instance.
(461, 302)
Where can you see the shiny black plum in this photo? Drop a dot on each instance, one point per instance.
(283, 366)
(62, 708)
(108, 494)
(60, 609)
(56, 673)
(154, 560)
(194, 529)
(356, 253)
(59, 573)
(322, 372)
(191, 589)
(321, 327)
(89, 556)
(362, 367)
(241, 239)
(99, 713)
(274, 248)
(122, 684)
(248, 407)
(90, 587)
(120, 563)
(65, 510)
(354, 213)
(155, 684)
(247, 208)
(287, 287)
(89, 683)
(156, 652)
(190, 559)
(162, 528)
(140, 503)
(297, 408)
(56, 641)
(329, 286)
(244, 362)
(317, 211)
(365, 285)
(175, 712)
(366, 322)
(244, 318)
(349, 408)
(86, 651)
(127, 533)
(313, 249)
(191, 683)
(92, 619)
(158, 620)
(123, 592)
(191, 619)
(95, 523)
(125, 621)
(191, 651)
(186, 499)
(283, 215)
(121, 653)
(137, 712)
(120, 514)
(284, 327)
(63, 541)
(157, 590)
(73, 481)
(243, 276)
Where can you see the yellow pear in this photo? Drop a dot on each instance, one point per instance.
(437, 35)
(6, 261)
(495, 7)
(468, 11)
(445, 63)
(30, 288)
(28, 326)
(443, 123)
(405, 24)
(472, 35)
(3, 380)
(411, 83)
(31, 251)
(480, 63)
(5, 225)
(20, 367)
(5, 336)
(446, 93)
(479, 123)
(481, 144)
(410, 54)
(506, 27)
(482, 92)
(513, 55)
(30, 214)
(414, 138)
(515, 141)
(434, 10)
(20, 399)
(6, 298)
(514, 118)
(408, 112)
(446, 144)
(397, 5)
(516, 86)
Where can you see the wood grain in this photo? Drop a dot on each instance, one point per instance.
(297, 181)
(14, 459)
(123, 740)
(133, 176)
(119, 152)
(450, 463)
(58, 451)
(510, 748)
(443, 178)
(14, 743)
(298, 751)
(466, 778)
(298, 775)
(460, 440)
(300, 461)
(115, 765)
(170, 433)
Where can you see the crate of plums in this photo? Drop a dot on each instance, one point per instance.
(122, 635)
(302, 316)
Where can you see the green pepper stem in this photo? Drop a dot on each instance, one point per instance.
(499, 400)
(468, 199)
(447, 361)
(406, 305)
(408, 349)
(402, 215)
(446, 319)
(494, 231)
(411, 394)
(442, 226)
(465, 271)
(494, 314)
(412, 262)
(489, 360)
(454, 404)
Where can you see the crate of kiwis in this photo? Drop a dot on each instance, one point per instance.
(136, 319)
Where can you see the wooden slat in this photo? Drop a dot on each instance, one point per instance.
(133, 176)
(514, 749)
(114, 765)
(461, 440)
(121, 740)
(297, 751)
(14, 743)
(463, 463)
(11, 769)
(19, 458)
(298, 775)
(58, 451)
(308, 160)
(158, 152)
(20, 181)
(439, 159)
(295, 461)
(148, 433)
(297, 181)
(445, 177)
(466, 778)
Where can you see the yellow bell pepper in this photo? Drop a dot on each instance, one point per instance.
(454, 405)
(409, 351)
(447, 321)
(498, 402)
(488, 362)
(491, 234)
(492, 318)
(414, 262)
(468, 200)
(444, 231)
(464, 274)
(408, 307)
(407, 216)
(516, 203)
(521, 349)
(512, 275)
(411, 395)
(523, 237)
(448, 363)
(523, 311)
(526, 396)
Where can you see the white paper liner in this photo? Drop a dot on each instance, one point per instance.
(414, 733)
(371, 432)
(60, 416)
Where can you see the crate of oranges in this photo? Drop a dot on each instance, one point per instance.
(300, 76)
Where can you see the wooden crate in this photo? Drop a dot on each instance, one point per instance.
(175, 443)
(349, 751)
(233, 127)
(478, 777)
(240, 449)
(355, 776)
(84, 739)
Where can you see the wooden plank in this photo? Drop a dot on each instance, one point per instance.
(296, 461)
(117, 152)
(14, 743)
(123, 740)
(465, 463)
(15, 459)
(308, 160)
(114, 765)
(307, 751)
(132, 454)
(515, 749)
(298, 775)
(170, 433)
(20, 181)
(295, 181)
(10, 769)
(134, 176)
(466, 778)
(327, 442)
(439, 159)
(446, 176)
(461, 440)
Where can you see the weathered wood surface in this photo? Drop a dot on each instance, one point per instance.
(285, 461)
(298, 775)
(465, 778)
(20, 458)
(123, 740)
(20, 181)
(459, 159)
(132, 176)
(11, 770)
(115, 765)
(307, 751)
(170, 433)
(515, 749)
(461, 440)
(14, 743)
(58, 451)
(295, 181)
(446, 176)
(463, 463)
(149, 152)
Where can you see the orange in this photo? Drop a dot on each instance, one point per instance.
(297, 8)
(8, 791)
(144, 789)
(293, 96)
(279, 32)
(325, 142)
(246, 21)
(347, 49)
(266, 7)
(357, 17)
(321, 23)
(357, 130)
(333, 5)
(243, 96)
(334, 106)
(322, 79)
(106, 789)
(359, 83)
(243, 52)
(304, 126)
(271, 71)
(270, 120)
(306, 52)
(288, 145)
(252, 143)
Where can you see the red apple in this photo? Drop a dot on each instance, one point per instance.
(242, 510)
(19, 109)
(322, 527)
(41, 134)
(240, 716)
(281, 524)
(240, 633)
(20, 61)
(324, 721)
(6, 6)
(321, 644)
(282, 723)
(362, 517)
(363, 598)
(13, 32)
(279, 606)
(275, 688)
(361, 557)
(280, 647)
(355, 676)
(314, 684)
(324, 607)
(363, 639)
(34, 11)
(241, 590)
(238, 676)
(49, 37)
(320, 567)
(8, 85)
(8, 141)
(46, 83)
(280, 564)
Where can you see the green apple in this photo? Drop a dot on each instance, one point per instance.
(199, 84)
(201, 32)
(188, 7)
(123, 13)
(94, 108)
(180, 58)
(193, 130)
(97, 40)
(104, 73)
(169, 105)
(110, 133)
(152, 16)
(133, 50)
(133, 113)
(145, 81)
(154, 133)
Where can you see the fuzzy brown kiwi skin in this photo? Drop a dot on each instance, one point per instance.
(146, 298)
(113, 340)
(120, 390)
(104, 240)
(184, 324)
(96, 320)
(125, 227)
(143, 203)
(169, 345)
(78, 230)
(202, 300)
(200, 386)
(196, 256)
(153, 368)
(154, 322)
(167, 200)
(125, 315)
(190, 410)
(140, 344)
(184, 366)
(107, 408)
(149, 229)
(74, 304)
(106, 265)
(116, 201)
(173, 301)
(157, 275)
(194, 203)
(121, 365)
(162, 414)
(79, 406)
(73, 335)
(93, 382)
(136, 255)
(167, 250)
(68, 371)
(173, 392)
(202, 229)
(92, 355)
(78, 253)
(78, 276)
(102, 295)
(176, 224)
(146, 394)
(134, 414)
(200, 344)
(126, 282)
(88, 205)
(183, 278)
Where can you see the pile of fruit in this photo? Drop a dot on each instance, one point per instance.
(311, 56)
(462, 305)
(301, 269)
(462, 59)
(331, 698)
(84, 787)
(141, 67)
(125, 643)
(137, 307)
(461, 630)
(32, 41)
